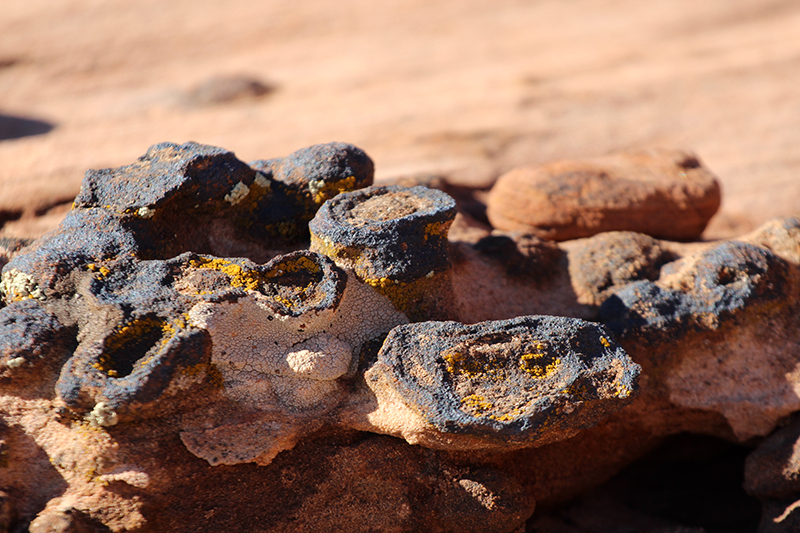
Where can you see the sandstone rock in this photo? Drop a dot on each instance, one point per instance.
(664, 194)
(173, 328)
(522, 382)
(772, 471)
(720, 306)
(601, 264)
(780, 516)
(224, 89)
(395, 240)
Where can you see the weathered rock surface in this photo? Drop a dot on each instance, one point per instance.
(175, 327)
(664, 194)
(721, 306)
(527, 381)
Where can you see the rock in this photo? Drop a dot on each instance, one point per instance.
(305, 179)
(601, 264)
(522, 382)
(70, 520)
(666, 194)
(202, 198)
(9, 247)
(225, 89)
(772, 471)
(505, 275)
(383, 485)
(32, 343)
(720, 306)
(6, 510)
(173, 327)
(780, 516)
(395, 240)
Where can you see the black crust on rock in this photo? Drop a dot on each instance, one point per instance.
(724, 281)
(395, 232)
(523, 380)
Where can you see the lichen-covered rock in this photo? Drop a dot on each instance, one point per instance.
(394, 239)
(732, 311)
(302, 181)
(32, 341)
(307, 324)
(526, 381)
(173, 328)
(662, 193)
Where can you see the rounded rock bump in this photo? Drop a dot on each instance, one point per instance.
(395, 240)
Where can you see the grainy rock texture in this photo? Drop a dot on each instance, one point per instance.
(176, 326)
(664, 194)
(526, 381)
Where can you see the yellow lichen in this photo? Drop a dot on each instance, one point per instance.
(322, 190)
(533, 362)
(477, 404)
(101, 271)
(125, 339)
(247, 279)
(513, 414)
(472, 367)
(327, 247)
(297, 264)
(213, 374)
(437, 229)
(621, 391)
(605, 342)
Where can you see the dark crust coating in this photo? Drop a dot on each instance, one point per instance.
(329, 164)
(402, 240)
(521, 380)
(725, 281)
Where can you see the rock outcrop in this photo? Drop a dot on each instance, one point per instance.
(252, 327)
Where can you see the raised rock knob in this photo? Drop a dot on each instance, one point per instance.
(395, 240)
(527, 381)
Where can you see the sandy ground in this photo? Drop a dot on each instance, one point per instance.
(465, 88)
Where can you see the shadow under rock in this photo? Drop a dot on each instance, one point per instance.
(27, 477)
(14, 127)
(690, 483)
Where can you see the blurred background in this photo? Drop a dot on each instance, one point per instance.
(466, 89)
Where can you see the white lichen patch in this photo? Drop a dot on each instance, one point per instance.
(321, 358)
(15, 362)
(237, 194)
(262, 353)
(16, 285)
(145, 212)
(102, 415)
(261, 181)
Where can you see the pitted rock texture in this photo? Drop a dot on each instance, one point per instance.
(525, 381)
(662, 193)
(721, 306)
(293, 350)
(175, 327)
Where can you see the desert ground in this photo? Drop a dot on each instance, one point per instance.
(464, 89)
